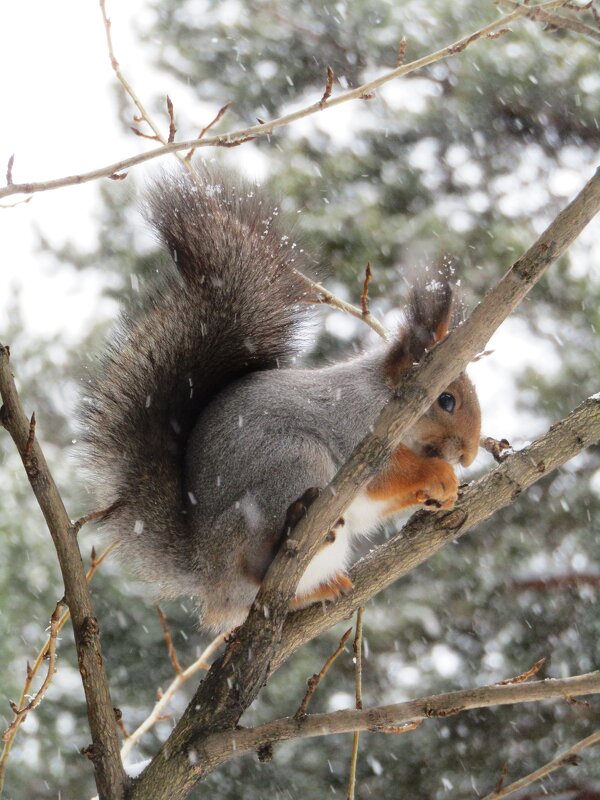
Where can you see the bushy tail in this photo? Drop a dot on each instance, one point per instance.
(230, 304)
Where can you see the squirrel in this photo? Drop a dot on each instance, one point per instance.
(200, 431)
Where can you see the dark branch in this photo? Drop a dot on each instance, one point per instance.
(380, 718)
(110, 778)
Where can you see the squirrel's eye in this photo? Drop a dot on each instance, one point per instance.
(447, 402)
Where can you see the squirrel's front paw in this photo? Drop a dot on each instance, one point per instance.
(440, 486)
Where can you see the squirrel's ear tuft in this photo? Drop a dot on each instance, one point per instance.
(427, 320)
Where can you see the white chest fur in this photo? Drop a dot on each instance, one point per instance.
(360, 518)
(363, 515)
(330, 560)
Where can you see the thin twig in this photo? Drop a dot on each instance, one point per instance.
(152, 136)
(358, 700)
(9, 169)
(172, 128)
(328, 87)
(524, 676)
(502, 777)
(20, 711)
(323, 295)
(401, 52)
(202, 662)
(266, 128)
(364, 297)
(316, 679)
(91, 517)
(357, 646)
(18, 202)
(206, 128)
(169, 641)
(144, 115)
(567, 758)
(32, 671)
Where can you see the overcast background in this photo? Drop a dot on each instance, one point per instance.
(471, 159)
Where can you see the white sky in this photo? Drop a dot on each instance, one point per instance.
(57, 96)
(59, 118)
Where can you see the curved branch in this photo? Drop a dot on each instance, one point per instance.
(109, 774)
(20, 711)
(32, 671)
(201, 663)
(562, 760)
(569, 23)
(266, 128)
(223, 746)
(158, 134)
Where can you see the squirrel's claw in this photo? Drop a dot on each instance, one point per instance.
(298, 508)
(440, 491)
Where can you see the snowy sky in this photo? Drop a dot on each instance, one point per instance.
(59, 118)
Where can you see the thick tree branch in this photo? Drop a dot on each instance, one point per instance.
(236, 678)
(425, 533)
(266, 128)
(109, 774)
(223, 746)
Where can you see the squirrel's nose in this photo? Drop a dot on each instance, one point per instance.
(469, 451)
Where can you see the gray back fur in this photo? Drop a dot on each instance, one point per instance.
(229, 305)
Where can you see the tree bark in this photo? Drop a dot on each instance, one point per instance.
(225, 746)
(104, 751)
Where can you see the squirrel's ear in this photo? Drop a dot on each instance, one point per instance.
(427, 320)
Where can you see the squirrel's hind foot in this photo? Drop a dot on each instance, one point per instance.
(337, 586)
